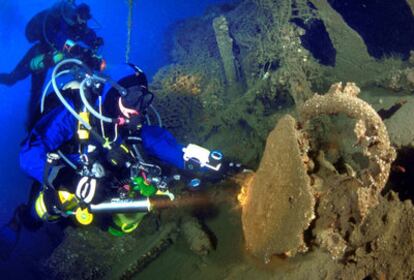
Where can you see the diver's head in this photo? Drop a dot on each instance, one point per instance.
(83, 14)
(75, 15)
(134, 81)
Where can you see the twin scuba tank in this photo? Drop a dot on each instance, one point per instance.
(43, 61)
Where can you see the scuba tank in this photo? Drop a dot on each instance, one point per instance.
(42, 61)
(34, 28)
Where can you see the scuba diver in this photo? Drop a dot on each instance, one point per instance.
(102, 156)
(57, 33)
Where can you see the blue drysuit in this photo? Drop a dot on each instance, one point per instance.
(59, 126)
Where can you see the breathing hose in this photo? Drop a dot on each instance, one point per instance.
(42, 103)
(59, 94)
(89, 106)
(157, 115)
(120, 89)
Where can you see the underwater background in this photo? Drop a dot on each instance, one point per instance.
(323, 203)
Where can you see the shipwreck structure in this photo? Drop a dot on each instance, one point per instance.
(322, 172)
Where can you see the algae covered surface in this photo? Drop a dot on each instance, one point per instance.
(319, 202)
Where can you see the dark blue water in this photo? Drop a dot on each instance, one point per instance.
(150, 22)
(387, 26)
(317, 41)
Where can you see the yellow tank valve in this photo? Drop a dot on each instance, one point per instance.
(83, 216)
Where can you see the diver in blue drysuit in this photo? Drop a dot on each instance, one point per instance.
(58, 127)
(58, 32)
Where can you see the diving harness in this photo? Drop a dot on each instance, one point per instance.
(144, 190)
(138, 194)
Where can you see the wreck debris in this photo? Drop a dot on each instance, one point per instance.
(339, 210)
(411, 4)
(279, 203)
(333, 242)
(225, 46)
(353, 61)
(180, 82)
(197, 239)
(411, 57)
(297, 68)
(396, 81)
(143, 255)
(76, 257)
(400, 125)
(349, 197)
(389, 112)
(173, 106)
(89, 253)
(103, 256)
(370, 130)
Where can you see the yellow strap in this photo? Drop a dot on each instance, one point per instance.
(41, 209)
(40, 206)
(123, 147)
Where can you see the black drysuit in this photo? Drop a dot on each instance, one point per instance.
(49, 30)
